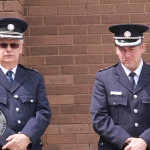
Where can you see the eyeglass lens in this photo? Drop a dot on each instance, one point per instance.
(12, 45)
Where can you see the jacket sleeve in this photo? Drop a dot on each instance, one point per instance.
(103, 123)
(7, 133)
(37, 124)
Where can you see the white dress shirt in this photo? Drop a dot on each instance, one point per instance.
(137, 71)
(5, 71)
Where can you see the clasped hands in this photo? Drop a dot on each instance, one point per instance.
(135, 144)
(17, 142)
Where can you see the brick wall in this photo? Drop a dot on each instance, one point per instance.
(68, 41)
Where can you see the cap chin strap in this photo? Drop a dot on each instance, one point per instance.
(138, 42)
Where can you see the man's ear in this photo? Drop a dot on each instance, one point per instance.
(143, 47)
(21, 47)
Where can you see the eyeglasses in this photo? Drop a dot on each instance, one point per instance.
(12, 45)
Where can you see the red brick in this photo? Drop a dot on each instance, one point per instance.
(93, 19)
(51, 147)
(146, 58)
(93, 146)
(82, 99)
(35, 61)
(60, 139)
(72, 30)
(58, 39)
(83, 79)
(107, 39)
(13, 6)
(129, 8)
(147, 38)
(147, 7)
(139, 1)
(52, 129)
(101, 9)
(113, 1)
(32, 3)
(44, 50)
(1, 6)
(91, 128)
(75, 109)
(83, 2)
(76, 89)
(114, 19)
(61, 99)
(11, 14)
(52, 90)
(55, 2)
(33, 41)
(70, 50)
(26, 51)
(74, 69)
(87, 39)
(50, 30)
(43, 138)
(140, 18)
(75, 147)
(95, 68)
(102, 49)
(42, 10)
(56, 110)
(59, 79)
(76, 128)
(98, 29)
(88, 59)
(22, 2)
(34, 21)
(111, 59)
(87, 138)
(62, 119)
(83, 118)
(59, 60)
(48, 70)
(57, 20)
(71, 10)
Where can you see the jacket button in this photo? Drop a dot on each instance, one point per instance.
(136, 124)
(135, 96)
(19, 122)
(114, 103)
(135, 111)
(102, 144)
(17, 109)
(15, 96)
(31, 100)
(41, 143)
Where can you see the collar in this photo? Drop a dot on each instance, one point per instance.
(5, 70)
(137, 71)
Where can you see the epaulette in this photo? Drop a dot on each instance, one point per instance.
(28, 68)
(107, 68)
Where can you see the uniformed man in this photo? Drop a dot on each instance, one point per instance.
(24, 108)
(120, 104)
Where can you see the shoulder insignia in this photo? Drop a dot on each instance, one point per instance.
(28, 68)
(107, 68)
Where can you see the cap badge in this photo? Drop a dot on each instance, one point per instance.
(10, 27)
(127, 34)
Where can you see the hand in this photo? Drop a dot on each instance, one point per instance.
(17, 142)
(135, 144)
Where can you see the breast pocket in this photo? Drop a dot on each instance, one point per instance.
(28, 104)
(145, 109)
(118, 109)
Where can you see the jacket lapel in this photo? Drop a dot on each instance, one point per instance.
(144, 77)
(20, 77)
(122, 78)
(4, 81)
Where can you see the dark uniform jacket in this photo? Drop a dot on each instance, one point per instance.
(118, 110)
(25, 106)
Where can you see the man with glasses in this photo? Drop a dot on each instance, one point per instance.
(24, 108)
(120, 104)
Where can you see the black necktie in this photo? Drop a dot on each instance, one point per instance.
(9, 75)
(132, 74)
